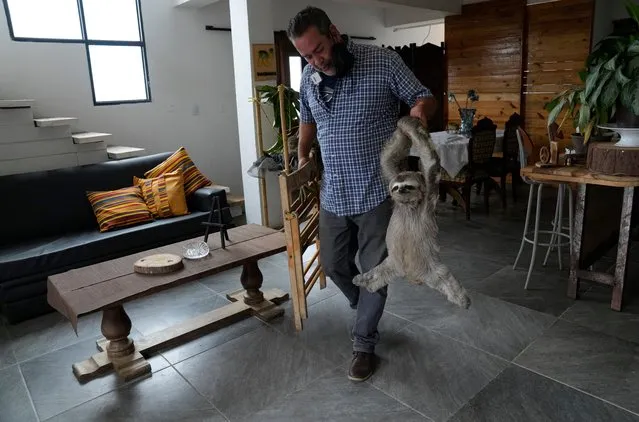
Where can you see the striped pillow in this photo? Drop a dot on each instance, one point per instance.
(164, 195)
(119, 208)
(193, 178)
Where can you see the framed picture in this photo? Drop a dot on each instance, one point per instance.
(264, 62)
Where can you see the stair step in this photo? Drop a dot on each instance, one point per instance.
(16, 103)
(236, 205)
(16, 116)
(31, 164)
(92, 157)
(29, 133)
(88, 137)
(117, 152)
(55, 121)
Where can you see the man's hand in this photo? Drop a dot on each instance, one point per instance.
(423, 109)
(307, 135)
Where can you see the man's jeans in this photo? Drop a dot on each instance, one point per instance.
(340, 240)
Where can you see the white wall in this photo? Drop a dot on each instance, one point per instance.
(359, 21)
(351, 19)
(189, 67)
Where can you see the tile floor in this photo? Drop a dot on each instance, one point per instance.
(515, 355)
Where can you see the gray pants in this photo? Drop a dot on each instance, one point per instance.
(340, 240)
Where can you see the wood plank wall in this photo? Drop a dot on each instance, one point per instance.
(558, 43)
(484, 50)
(516, 57)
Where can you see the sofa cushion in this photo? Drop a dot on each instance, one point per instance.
(119, 208)
(180, 159)
(164, 195)
(57, 253)
(54, 202)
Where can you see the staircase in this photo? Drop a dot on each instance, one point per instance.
(29, 143)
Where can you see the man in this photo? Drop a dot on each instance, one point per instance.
(349, 100)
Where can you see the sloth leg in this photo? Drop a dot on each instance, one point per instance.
(440, 278)
(378, 277)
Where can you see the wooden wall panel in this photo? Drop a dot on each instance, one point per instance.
(484, 51)
(558, 42)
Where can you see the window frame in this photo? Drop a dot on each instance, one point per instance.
(88, 42)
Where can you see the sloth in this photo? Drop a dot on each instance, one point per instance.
(411, 237)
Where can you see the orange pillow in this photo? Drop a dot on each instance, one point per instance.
(119, 208)
(164, 195)
(193, 178)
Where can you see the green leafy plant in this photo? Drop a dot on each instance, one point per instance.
(269, 95)
(610, 80)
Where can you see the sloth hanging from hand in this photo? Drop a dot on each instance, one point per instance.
(411, 238)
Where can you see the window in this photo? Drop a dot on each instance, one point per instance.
(295, 69)
(111, 31)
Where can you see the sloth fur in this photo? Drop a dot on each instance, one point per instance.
(411, 238)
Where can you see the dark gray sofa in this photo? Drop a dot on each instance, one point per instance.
(47, 226)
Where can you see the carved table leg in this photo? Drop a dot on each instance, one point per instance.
(116, 327)
(251, 280)
(121, 352)
(252, 295)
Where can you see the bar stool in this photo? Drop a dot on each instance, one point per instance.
(558, 229)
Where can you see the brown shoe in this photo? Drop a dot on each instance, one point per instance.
(362, 366)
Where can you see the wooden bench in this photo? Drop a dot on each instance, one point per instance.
(106, 286)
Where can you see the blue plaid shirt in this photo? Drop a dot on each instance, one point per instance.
(360, 116)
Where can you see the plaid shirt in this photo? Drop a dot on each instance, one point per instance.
(352, 129)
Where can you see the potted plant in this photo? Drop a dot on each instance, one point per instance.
(610, 85)
(270, 95)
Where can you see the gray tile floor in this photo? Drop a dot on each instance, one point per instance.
(515, 355)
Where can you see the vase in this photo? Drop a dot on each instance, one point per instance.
(578, 143)
(467, 116)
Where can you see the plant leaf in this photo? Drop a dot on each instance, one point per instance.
(599, 87)
(633, 49)
(633, 10)
(588, 130)
(583, 74)
(609, 94)
(591, 80)
(620, 77)
(552, 116)
(612, 63)
(628, 94)
(632, 68)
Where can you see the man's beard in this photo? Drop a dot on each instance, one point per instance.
(342, 60)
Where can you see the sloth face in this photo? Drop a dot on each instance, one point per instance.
(407, 188)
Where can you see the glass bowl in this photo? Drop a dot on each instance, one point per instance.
(196, 250)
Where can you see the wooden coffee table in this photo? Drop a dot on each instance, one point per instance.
(106, 286)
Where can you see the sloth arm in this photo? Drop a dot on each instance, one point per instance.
(395, 151)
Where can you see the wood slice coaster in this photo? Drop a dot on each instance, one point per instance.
(163, 263)
(606, 158)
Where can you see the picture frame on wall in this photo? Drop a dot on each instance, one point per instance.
(264, 62)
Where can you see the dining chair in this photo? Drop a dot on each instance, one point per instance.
(480, 149)
(526, 147)
(508, 163)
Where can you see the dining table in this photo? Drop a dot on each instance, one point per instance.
(452, 149)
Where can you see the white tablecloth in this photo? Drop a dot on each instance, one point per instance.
(453, 150)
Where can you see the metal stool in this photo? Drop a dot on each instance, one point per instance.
(557, 231)
(558, 228)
